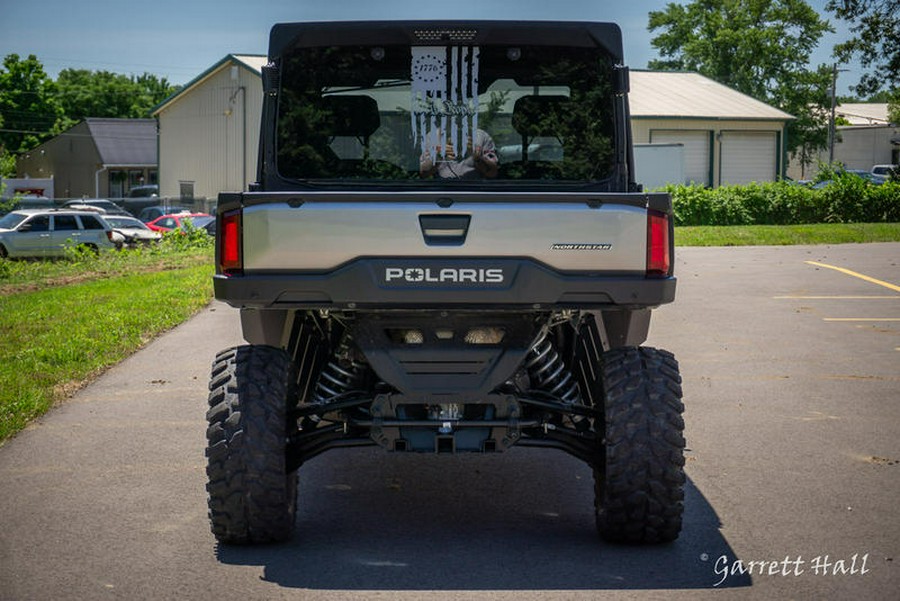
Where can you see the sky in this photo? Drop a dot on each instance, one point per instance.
(179, 39)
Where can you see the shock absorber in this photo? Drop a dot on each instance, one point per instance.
(340, 375)
(548, 372)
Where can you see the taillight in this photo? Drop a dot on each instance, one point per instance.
(229, 237)
(659, 261)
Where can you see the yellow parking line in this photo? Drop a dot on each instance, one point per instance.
(861, 319)
(888, 285)
(868, 297)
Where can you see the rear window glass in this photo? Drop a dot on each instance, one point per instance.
(91, 223)
(65, 223)
(446, 114)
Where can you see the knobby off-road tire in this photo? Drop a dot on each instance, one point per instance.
(252, 498)
(639, 476)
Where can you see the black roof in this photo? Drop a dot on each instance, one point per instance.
(124, 141)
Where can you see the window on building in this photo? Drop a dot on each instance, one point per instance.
(135, 178)
(186, 190)
(117, 179)
(123, 180)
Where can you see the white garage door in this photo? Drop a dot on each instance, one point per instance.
(696, 152)
(749, 156)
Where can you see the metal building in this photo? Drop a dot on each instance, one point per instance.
(728, 137)
(865, 137)
(209, 131)
(99, 158)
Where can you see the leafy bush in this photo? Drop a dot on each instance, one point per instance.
(8, 204)
(845, 199)
(885, 202)
(188, 238)
(81, 253)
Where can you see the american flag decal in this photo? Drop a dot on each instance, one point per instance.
(444, 99)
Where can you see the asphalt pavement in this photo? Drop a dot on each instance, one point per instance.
(791, 365)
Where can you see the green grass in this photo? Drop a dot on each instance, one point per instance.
(30, 275)
(780, 235)
(56, 335)
(63, 322)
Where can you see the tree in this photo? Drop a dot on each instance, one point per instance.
(806, 96)
(881, 96)
(5, 171)
(85, 94)
(894, 107)
(876, 25)
(7, 165)
(28, 104)
(758, 47)
(34, 107)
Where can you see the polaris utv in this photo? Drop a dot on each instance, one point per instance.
(445, 252)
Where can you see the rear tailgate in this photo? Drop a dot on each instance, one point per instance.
(440, 247)
(320, 232)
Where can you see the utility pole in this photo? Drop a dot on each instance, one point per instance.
(832, 132)
(834, 72)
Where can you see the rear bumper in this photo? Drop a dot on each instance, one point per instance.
(380, 283)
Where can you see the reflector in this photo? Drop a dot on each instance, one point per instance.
(658, 261)
(230, 260)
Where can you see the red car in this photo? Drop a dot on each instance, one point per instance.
(167, 223)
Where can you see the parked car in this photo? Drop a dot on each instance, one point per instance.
(144, 191)
(148, 214)
(107, 206)
(864, 175)
(30, 201)
(48, 232)
(167, 223)
(868, 176)
(885, 170)
(205, 223)
(133, 231)
(552, 151)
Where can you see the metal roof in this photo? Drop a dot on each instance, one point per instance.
(124, 142)
(253, 62)
(682, 95)
(864, 113)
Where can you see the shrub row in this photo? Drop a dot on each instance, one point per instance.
(846, 199)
